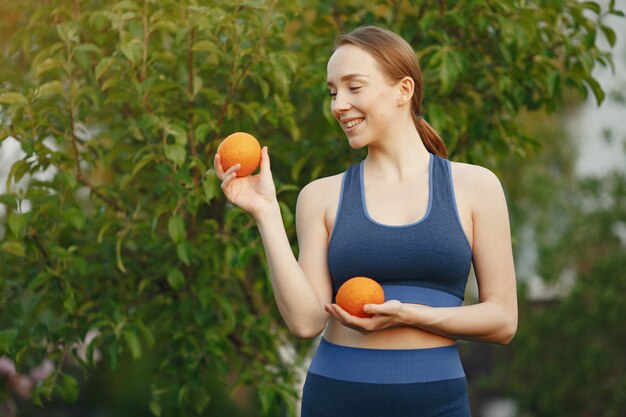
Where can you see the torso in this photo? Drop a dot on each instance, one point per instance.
(403, 213)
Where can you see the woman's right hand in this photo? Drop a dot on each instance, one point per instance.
(253, 193)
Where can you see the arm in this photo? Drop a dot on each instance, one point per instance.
(300, 288)
(494, 317)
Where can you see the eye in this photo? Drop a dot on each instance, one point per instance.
(330, 93)
(355, 88)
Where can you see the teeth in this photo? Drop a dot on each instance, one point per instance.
(354, 122)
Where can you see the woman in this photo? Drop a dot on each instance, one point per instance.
(404, 216)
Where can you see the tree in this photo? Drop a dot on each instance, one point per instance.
(568, 357)
(126, 103)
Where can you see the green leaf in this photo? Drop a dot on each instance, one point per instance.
(133, 343)
(229, 320)
(593, 6)
(69, 300)
(68, 388)
(7, 340)
(609, 34)
(18, 170)
(596, 89)
(103, 66)
(554, 80)
(205, 295)
(266, 396)
(155, 408)
(39, 280)
(68, 32)
(13, 98)
(14, 248)
(176, 278)
(146, 332)
(176, 228)
(182, 394)
(50, 90)
(114, 356)
(210, 186)
(201, 400)
(133, 51)
(145, 160)
(17, 223)
(204, 45)
(176, 153)
(118, 253)
(75, 217)
(102, 231)
(183, 250)
(47, 65)
(9, 200)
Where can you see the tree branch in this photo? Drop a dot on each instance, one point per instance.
(190, 78)
(146, 38)
(233, 85)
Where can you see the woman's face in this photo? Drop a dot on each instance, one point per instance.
(363, 101)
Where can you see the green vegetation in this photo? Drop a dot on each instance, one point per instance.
(126, 102)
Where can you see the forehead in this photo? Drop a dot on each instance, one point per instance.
(350, 59)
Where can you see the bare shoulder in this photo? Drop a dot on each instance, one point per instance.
(477, 184)
(474, 175)
(321, 194)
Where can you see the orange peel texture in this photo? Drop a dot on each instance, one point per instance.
(242, 148)
(357, 292)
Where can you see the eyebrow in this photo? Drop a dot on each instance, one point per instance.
(349, 77)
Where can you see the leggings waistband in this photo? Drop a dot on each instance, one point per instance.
(386, 366)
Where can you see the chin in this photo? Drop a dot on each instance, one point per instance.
(356, 144)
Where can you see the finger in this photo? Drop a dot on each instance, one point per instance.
(217, 163)
(231, 170)
(347, 317)
(373, 309)
(265, 159)
(329, 308)
(229, 176)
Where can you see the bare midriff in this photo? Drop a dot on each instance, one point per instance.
(405, 337)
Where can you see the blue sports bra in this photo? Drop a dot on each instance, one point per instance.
(426, 262)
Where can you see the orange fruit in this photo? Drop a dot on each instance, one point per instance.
(358, 291)
(242, 148)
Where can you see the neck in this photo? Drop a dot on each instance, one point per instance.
(400, 155)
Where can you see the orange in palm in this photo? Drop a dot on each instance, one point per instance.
(358, 291)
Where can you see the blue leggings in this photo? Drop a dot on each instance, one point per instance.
(345, 381)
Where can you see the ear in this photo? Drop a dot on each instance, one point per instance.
(405, 90)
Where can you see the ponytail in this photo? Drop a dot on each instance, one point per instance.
(430, 138)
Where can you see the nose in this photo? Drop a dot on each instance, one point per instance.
(339, 104)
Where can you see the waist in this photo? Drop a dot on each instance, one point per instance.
(392, 338)
(397, 366)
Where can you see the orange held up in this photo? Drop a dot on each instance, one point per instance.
(240, 148)
(357, 292)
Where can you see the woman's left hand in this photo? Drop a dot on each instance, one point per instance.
(385, 316)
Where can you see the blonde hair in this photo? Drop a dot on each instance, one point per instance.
(397, 60)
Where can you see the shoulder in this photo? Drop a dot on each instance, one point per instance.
(479, 184)
(321, 192)
(475, 175)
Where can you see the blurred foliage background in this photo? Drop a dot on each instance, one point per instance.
(123, 268)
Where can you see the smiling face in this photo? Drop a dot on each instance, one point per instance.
(364, 101)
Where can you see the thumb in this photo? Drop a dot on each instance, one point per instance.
(371, 308)
(265, 159)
